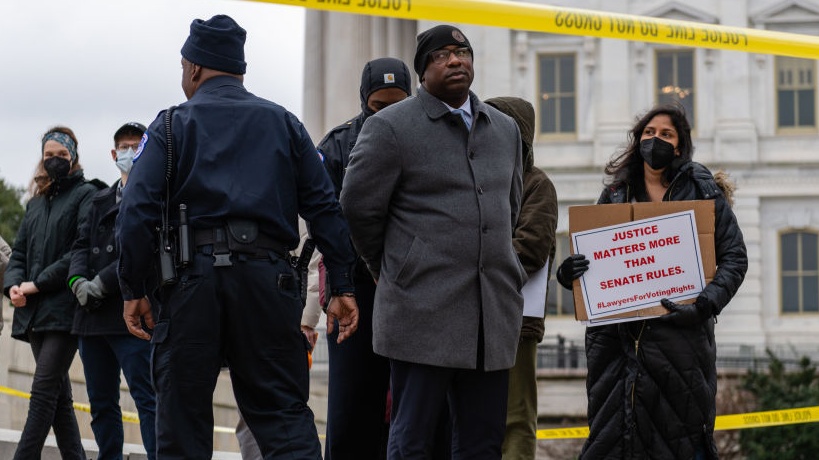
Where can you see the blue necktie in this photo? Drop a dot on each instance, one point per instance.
(464, 117)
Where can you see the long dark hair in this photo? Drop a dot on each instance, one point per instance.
(627, 166)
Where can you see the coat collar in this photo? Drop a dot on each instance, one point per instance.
(106, 200)
(218, 81)
(436, 109)
(66, 182)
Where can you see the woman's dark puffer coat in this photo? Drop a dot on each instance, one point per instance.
(652, 385)
(41, 253)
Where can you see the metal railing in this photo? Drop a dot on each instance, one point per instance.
(557, 352)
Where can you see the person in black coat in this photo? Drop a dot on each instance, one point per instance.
(35, 283)
(652, 384)
(245, 169)
(359, 378)
(106, 347)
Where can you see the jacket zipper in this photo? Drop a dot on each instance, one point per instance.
(636, 357)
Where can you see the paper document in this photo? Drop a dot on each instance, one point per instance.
(534, 293)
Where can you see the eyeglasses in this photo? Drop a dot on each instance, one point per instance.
(442, 56)
(126, 146)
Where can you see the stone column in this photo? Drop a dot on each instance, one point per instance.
(735, 135)
(313, 96)
(613, 107)
(337, 45)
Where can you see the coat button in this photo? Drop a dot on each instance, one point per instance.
(95, 250)
(244, 237)
(485, 229)
(480, 190)
(109, 248)
(471, 154)
(101, 229)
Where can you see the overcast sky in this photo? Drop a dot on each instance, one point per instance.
(93, 65)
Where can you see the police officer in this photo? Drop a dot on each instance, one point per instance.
(358, 377)
(245, 168)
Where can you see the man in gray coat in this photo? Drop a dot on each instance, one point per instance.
(432, 194)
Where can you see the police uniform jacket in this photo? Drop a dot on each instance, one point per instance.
(236, 156)
(336, 146)
(432, 206)
(42, 253)
(95, 253)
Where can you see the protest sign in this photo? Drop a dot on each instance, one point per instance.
(633, 278)
(633, 265)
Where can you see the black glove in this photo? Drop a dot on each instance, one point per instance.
(691, 314)
(572, 268)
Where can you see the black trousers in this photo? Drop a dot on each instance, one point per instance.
(357, 389)
(247, 315)
(51, 402)
(476, 401)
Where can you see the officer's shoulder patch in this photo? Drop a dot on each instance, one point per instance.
(141, 146)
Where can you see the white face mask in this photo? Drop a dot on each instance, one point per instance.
(125, 160)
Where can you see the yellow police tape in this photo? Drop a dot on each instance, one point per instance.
(723, 422)
(130, 417)
(574, 21)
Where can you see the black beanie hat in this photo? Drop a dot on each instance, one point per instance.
(217, 44)
(383, 73)
(435, 39)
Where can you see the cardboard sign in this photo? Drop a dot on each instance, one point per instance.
(584, 218)
(634, 264)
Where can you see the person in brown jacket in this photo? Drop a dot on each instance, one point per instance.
(534, 242)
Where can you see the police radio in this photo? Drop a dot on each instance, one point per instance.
(167, 256)
(167, 264)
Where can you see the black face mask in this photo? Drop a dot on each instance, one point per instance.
(657, 152)
(57, 167)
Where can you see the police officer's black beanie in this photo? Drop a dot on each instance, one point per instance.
(435, 39)
(218, 44)
(384, 73)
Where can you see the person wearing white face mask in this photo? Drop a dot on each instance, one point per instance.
(106, 347)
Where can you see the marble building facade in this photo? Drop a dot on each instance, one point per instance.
(753, 116)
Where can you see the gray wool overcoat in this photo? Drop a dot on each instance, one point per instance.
(432, 208)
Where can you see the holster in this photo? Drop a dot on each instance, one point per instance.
(301, 264)
(239, 236)
(167, 257)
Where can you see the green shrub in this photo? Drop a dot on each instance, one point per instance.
(776, 389)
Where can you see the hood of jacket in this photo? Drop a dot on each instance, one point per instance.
(524, 115)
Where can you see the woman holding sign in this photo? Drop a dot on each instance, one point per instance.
(652, 383)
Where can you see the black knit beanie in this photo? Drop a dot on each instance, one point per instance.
(383, 73)
(217, 44)
(435, 39)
